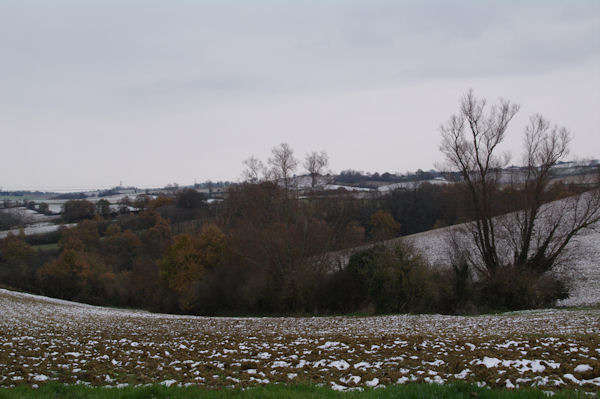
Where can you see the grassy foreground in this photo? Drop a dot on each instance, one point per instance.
(458, 390)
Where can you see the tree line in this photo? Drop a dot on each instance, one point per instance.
(264, 248)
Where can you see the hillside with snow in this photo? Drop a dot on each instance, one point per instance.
(579, 266)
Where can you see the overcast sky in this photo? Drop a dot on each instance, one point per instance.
(153, 92)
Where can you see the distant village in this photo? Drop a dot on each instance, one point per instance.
(39, 211)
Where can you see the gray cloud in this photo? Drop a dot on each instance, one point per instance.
(129, 61)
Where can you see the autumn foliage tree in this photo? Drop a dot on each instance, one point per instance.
(383, 225)
(14, 248)
(188, 260)
(84, 235)
(66, 276)
(122, 249)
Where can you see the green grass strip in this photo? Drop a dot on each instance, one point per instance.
(458, 390)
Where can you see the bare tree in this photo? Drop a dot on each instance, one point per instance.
(544, 147)
(469, 142)
(316, 164)
(283, 163)
(539, 233)
(535, 234)
(254, 169)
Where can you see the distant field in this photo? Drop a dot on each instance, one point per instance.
(36, 229)
(43, 339)
(24, 197)
(47, 247)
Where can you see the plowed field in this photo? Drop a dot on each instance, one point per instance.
(43, 339)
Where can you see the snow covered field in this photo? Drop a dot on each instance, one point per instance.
(37, 228)
(44, 339)
(29, 215)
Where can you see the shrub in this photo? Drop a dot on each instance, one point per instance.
(76, 210)
(396, 280)
(339, 293)
(517, 288)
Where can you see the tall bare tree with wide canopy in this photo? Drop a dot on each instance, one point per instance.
(535, 234)
(255, 170)
(315, 164)
(283, 163)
